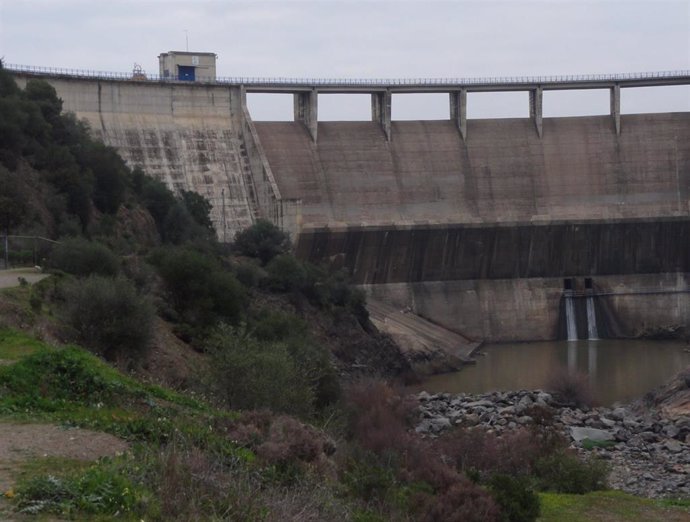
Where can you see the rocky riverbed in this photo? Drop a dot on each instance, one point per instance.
(648, 452)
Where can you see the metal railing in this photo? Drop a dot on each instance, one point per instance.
(354, 82)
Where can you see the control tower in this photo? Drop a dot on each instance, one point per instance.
(188, 66)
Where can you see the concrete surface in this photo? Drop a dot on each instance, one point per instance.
(429, 347)
(10, 278)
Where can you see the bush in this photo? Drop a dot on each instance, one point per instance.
(249, 275)
(81, 257)
(462, 502)
(111, 318)
(202, 292)
(250, 374)
(192, 485)
(518, 502)
(474, 451)
(286, 274)
(379, 417)
(262, 240)
(572, 388)
(563, 472)
(313, 359)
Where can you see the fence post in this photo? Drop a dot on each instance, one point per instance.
(7, 251)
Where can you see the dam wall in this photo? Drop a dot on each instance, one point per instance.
(478, 234)
(580, 169)
(188, 136)
(531, 308)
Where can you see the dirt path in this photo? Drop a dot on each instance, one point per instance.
(10, 278)
(22, 442)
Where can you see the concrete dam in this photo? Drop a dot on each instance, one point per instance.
(502, 229)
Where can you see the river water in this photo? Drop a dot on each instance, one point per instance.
(618, 370)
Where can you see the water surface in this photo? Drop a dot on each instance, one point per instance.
(619, 370)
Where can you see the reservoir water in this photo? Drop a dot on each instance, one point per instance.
(618, 370)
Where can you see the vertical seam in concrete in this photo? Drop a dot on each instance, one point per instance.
(100, 110)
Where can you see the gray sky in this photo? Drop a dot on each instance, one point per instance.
(373, 39)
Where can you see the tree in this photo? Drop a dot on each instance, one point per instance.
(12, 202)
(199, 208)
(263, 240)
(12, 205)
(110, 317)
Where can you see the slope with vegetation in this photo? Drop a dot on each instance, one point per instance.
(231, 371)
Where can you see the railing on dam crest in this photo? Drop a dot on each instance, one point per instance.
(678, 76)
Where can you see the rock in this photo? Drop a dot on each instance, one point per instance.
(579, 434)
(479, 404)
(618, 414)
(526, 401)
(423, 396)
(630, 423)
(609, 423)
(673, 446)
(648, 436)
(471, 419)
(671, 431)
(545, 397)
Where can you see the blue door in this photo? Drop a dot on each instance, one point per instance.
(186, 73)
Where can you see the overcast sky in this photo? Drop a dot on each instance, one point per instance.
(373, 39)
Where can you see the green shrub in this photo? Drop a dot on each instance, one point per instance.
(250, 374)
(262, 240)
(274, 325)
(517, 500)
(286, 274)
(81, 257)
(202, 292)
(563, 472)
(98, 490)
(35, 301)
(249, 275)
(368, 480)
(313, 360)
(110, 317)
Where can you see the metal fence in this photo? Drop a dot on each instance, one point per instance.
(22, 251)
(354, 82)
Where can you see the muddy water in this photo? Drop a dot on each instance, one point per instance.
(618, 370)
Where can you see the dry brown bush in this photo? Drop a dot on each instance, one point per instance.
(476, 450)
(380, 418)
(193, 486)
(462, 502)
(571, 387)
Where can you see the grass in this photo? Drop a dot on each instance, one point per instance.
(14, 345)
(72, 387)
(610, 506)
(75, 388)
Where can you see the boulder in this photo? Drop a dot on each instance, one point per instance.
(579, 434)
